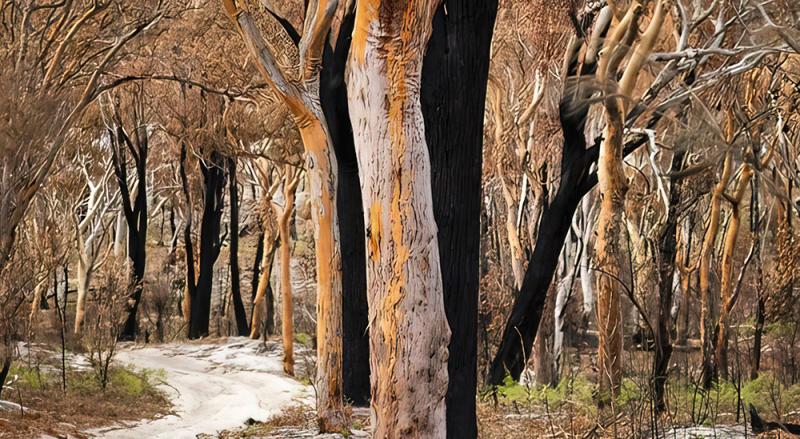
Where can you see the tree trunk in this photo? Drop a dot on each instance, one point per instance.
(262, 293)
(457, 59)
(287, 316)
(303, 100)
(236, 294)
(136, 216)
(214, 185)
(760, 319)
(682, 324)
(322, 178)
(587, 279)
(84, 274)
(667, 249)
(563, 293)
(409, 334)
(727, 295)
(542, 351)
(355, 336)
(608, 253)
(576, 180)
(7, 357)
(514, 242)
(706, 253)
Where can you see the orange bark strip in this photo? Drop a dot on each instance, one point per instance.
(366, 15)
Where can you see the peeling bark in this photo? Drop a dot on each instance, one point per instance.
(409, 333)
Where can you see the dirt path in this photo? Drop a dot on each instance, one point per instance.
(213, 387)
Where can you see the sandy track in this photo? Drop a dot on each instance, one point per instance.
(213, 387)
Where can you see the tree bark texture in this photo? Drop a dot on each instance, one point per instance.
(667, 249)
(409, 333)
(355, 336)
(236, 293)
(457, 59)
(135, 212)
(706, 255)
(213, 193)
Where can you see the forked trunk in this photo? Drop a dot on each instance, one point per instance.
(210, 222)
(409, 334)
(668, 250)
(727, 294)
(706, 253)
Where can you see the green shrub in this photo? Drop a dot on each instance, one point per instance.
(30, 377)
(303, 339)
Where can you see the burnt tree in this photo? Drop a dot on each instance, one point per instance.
(134, 207)
(210, 242)
(236, 293)
(454, 77)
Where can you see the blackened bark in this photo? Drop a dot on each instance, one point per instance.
(755, 229)
(6, 368)
(333, 95)
(667, 249)
(191, 284)
(760, 319)
(236, 294)
(454, 78)
(135, 212)
(43, 301)
(214, 183)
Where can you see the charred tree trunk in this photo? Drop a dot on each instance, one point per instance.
(213, 186)
(755, 227)
(236, 293)
(135, 212)
(575, 181)
(7, 357)
(667, 249)
(355, 336)
(457, 59)
(526, 313)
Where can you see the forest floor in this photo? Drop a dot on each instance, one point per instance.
(213, 386)
(41, 402)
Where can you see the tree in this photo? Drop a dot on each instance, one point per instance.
(291, 178)
(689, 67)
(409, 336)
(236, 294)
(53, 70)
(92, 223)
(268, 243)
(213, 172)
(134, 200)
(457, 59)
(302, 98)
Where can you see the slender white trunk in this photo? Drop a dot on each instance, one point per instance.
(409, 334)
(120, 236)
(566, 273)
(84, 274)
(587, 280)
